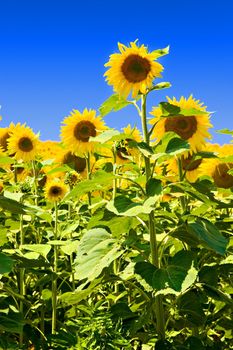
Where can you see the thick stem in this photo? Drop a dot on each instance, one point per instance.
(158, 302)
(180, 172)
(114, 188)
(21, 279)
(54, 281)
(88, 162)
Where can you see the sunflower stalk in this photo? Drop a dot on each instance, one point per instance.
(21, 279)
(88, 162)
(158, 302)
(180, 172)
(54, 281)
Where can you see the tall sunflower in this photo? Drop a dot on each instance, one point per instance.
(23, 143)
(192, 128)
(55, 190)
(78, 129)
(132, 70)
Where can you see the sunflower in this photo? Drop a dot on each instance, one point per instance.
(218, 168)
(23, 143)
(132, 70)
(78, 129)
(124, 151)
(192, 128)
(55, 190)
(4, 136)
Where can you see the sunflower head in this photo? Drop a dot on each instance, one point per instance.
(55, 190)
(23, 143)
(133, 69)
(192, 128)
(221, 176)
(78, 129)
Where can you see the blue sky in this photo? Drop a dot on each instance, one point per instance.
(52, 56)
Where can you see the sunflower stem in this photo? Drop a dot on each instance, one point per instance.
(21, 279)
(180, 172)
(114, 172)
(158, 302)
(88, 161)
(54, 281)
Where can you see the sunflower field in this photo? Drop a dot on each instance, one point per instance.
(118, 240)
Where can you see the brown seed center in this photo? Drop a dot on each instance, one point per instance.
(25, 144)
(55, 191)
(185, 127)
(189, 164)
(84, 130)
(221, 177)
(77, 163)
(135, 68)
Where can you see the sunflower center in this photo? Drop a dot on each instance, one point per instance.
(84, 130)
(55, 191)
(188, 164)
(25, 144)
(185, 127)
(77, 163)
(135, 68)
(221, 177)
(3, 141)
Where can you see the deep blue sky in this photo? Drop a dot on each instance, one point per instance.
(52, 56)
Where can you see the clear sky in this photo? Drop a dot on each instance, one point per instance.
(52, 55)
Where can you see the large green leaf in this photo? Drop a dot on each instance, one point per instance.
(113, 103)
(12, 205)
(189, 306)
(96, 251)
(6, 263)
(42, 249)
(100, 181)
(123, 205)
(208, 235)
(118, 225)
(177, 276)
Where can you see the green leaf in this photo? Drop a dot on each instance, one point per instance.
(72, 298)
(169, 146)
(97, 249)
(109, 136)
(100, 181)
(161, 52)
(70, 247)
(42, 249)
(12, 323)
(113, 103)
(122, 205)
(153, 187)
(3, 236)
(162, 85)
(208, 235)
(6, 264)
(169, 109)
(6, 160)
(144, 148)
(225, 131)
(189, 305)
(177, 276)
(118, 225)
